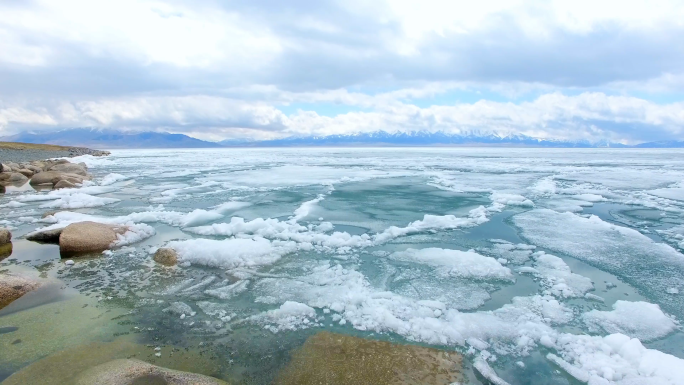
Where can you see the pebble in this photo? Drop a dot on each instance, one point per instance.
(69, 262)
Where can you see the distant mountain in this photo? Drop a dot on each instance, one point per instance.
(109, 138)
(106, 139)
(418, 138)
(661, 144)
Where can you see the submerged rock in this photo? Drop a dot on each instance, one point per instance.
(131, 371)
(13, 287)
(5, 236)
(88, 237)
(80, 363)
(329, 358)
(166, 256)
(5, 250)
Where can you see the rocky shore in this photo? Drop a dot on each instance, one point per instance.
(27, 152)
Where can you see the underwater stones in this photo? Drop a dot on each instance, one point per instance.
(68, 365)
(132, 371)
(329, 358)
(47, 236)
(5, 250)
(5, 236)
(166, 256)
(13, 287)
(88, 237)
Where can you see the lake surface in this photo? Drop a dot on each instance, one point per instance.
(540, 266)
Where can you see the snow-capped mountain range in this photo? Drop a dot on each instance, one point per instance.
(110, 138)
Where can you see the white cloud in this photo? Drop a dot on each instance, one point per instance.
(590, 115)
(228, 69)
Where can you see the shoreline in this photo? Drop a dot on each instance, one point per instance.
(26, 152)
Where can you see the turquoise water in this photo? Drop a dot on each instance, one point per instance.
(384, 203)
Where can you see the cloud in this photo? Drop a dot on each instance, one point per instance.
(227, 69)
(590, 115)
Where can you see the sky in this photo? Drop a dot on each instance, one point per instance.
(264, 69)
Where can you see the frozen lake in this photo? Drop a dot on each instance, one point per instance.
(540, 266)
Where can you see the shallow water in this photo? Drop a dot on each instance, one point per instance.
(437, 247)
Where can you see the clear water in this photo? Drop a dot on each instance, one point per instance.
(362, 288)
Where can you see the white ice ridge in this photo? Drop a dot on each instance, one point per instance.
(456, 263)
(71, 198)
(614, 359)
(641, 320)
(232, 253)
(487, 372)
(654, 267)
(113, 178)
(511, 200)
(315, 235)
(78, 201)
(290, 316)
(173, 218)
(305, 209)
(350, 295)
(556, 277)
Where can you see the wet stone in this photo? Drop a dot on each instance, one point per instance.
(330, 358)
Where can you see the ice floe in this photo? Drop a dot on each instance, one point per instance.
(641, 320)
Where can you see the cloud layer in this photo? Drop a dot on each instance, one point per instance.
(266, 68)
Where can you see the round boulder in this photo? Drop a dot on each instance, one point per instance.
(52, 177)
(88, 237)
(166, 256)
(5, 236)
(131, 371)
(13, 287)
(26, 172)
(70, 168)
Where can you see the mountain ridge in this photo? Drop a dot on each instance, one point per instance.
(115, 139)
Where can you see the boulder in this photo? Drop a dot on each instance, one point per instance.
(132, 371)
(47, 236)
(5, 168)
(16, 177)
(330, 358)
(52, 177)
(25, 172)
(35, 169)
(5, 236)
(13, 287)
(13, 165)
(69, 168)
(39, 164)
(64, 184)
(88, 237)
(166, 256)
(13, 178)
